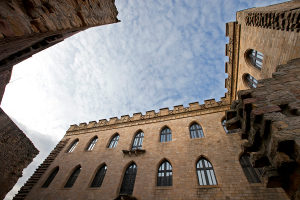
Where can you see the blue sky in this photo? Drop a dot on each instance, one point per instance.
(162, 54)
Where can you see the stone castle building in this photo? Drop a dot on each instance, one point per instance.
(28, 27)
(187, 152)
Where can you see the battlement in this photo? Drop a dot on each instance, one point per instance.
(209, 106)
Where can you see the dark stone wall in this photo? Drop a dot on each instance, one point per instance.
(16, 153)
(269, 119)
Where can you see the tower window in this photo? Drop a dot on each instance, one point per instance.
(50, 178)
(250, 80)
(138, 141)
(253, 174)
(98, 179)
(223, 124)
(113, 143)
(196, 131)
(205, 172)
(71, 149)
(166, 135)
(92, 144)
(73, 178)
(128, 180)
(165, 176)
(255, 58)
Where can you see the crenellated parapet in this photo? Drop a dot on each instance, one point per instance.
(268, 117)
(164, 114)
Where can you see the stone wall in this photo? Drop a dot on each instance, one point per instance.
(16, 152)
(221, 149)
(269, 118)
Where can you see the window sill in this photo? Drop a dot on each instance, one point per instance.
(208, 186)
(164, 188)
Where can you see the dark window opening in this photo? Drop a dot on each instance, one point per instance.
(205, 172)
(166, 135)
(128, 180)
(253, 174)
(73, 178)
(196, 131)
(97, 182)
(165, 175)
(50, 178)
(251, 81)
(138, 141)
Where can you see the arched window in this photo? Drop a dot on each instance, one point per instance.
(73, 178)
(164, 175)
(255, 58)
(98, 179)
(205, 172)
(113, 143)
(50, 178)
(92, 144)
(223, 124)
(166, 135)
(72, 147)
(128, 180)
(138, 141)
(250, 81)
(253, 174)
(196, 131)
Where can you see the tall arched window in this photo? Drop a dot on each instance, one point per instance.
(72, 147)
(50, 178)
(73, 177)
(92, 144)
(253, 174)
(250, 81)
(165, 175)
(166, 135)
(255, 58)
(138, 141)
(205, 172)
(128, 180)
(196, 131)
(98, 179)
(223, 124)
(114, 141)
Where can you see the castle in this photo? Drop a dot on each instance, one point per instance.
(187, 152)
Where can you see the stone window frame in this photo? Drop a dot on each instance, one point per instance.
(254, 60)
(111, 140)
(102, 176)
(91, 142)
(205, 169)
(50, 177)
(72, 172)
(202, 131)
(140, 140)
(73, 146)
(123, 174)
(163, 161)
(160, 133)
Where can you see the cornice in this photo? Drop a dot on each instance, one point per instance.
(164, 114)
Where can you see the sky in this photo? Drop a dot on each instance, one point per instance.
(162, 54)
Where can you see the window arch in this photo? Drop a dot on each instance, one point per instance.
(73, 177)
(50, 178)
(166, 135)
(114, 141)
(165, 175)
(250, 81)
(255, 58)
(196, 131)
(72, 147)
(98, 179)
(128, 180)
(92, 144)
(205, 172)
(253, 174)
(138, 141)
